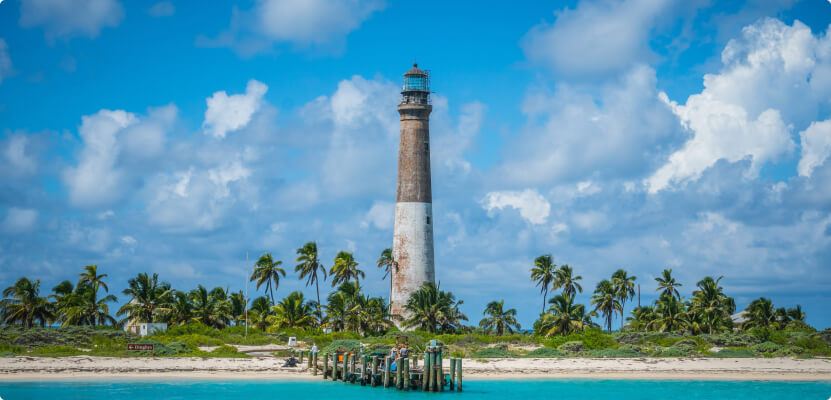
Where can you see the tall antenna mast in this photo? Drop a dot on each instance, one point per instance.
(246, 294)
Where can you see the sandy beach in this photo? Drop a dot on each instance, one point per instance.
(86, 368)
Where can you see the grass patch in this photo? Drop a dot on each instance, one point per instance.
(545, 352)
(493, 352)
(55, 351)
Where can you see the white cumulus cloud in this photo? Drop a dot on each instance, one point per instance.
(816, 146)
(230, 113)
(71, 17)
(19, 220)
(312, 21)
(532, 206)
(595, 37)
(113, 141)
(381, 215)
(773, 77)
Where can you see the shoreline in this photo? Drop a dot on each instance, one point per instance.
(87, 368)
(30, 377)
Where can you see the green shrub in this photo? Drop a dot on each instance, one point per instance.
(6, 354)
(677, 350)
(592, 339)
(545, 352)
(493, 352)
(633, 348)
(613, 353)
(731, 339)
(767, 348)
(811, 343)
(346, 344)
(193, 328)
(572, 347)
(733, 353)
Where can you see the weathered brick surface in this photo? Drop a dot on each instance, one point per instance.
(414, 154)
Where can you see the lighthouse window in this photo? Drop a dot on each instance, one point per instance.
(426, 146)
(428, 220)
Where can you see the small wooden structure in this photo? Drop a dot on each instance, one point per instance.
(375, 369)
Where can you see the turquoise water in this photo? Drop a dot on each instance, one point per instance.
(578, 389)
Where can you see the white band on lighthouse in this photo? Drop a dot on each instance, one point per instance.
(413, 246)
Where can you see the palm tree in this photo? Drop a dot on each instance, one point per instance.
(149, 299)
(760, 313)
(345, 268)
(90, 276)
(641, 316)
(23, 304)
(267, 270)
(309, 266)
(796, 314)
(565, 317)
(86, 309)
(565, 280)
(210, 308)
(667, 284)
(431, 309)
(669, 315)
(543, 272)
(181, 308)
(92, 309)
(712, 306)
(292, 312)
(498, 318)
(369, 315)
(389, 265)
(259, 312)
(237, 303)
(624, 286)
(340, 303)
(606, 301)
(62, 298)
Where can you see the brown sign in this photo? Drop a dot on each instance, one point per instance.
(140, 347)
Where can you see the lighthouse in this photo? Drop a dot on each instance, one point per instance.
(412, 246)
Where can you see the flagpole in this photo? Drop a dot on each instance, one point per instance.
(246, 294)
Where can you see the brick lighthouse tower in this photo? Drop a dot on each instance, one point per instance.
(412, 245)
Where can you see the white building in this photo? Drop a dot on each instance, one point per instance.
(145, 328)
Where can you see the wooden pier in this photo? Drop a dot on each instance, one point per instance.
(376, 369)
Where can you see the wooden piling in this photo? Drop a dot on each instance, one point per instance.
(314, 364)
(352, 361)
(363, 369)
(458, 374)
(345, 367)
(436, 367)
(425, 377)
(415, 361)
(301, 357)
(406, 362)
(440, 364)
(387, 363)
(452, 373)
(374, 371)
(325, 365)
(399, 373)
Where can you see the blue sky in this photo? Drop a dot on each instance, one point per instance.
(174, 137)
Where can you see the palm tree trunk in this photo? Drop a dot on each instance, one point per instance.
(389, 308)
(319, 313)
(544, 295)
